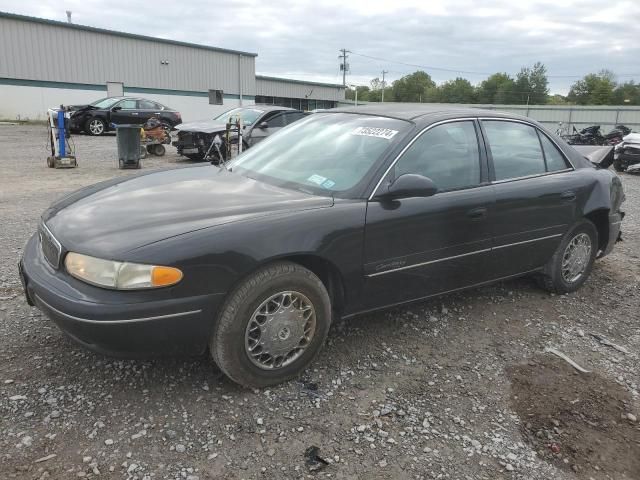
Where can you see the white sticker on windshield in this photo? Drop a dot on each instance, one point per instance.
(317, 179)
(386, 133)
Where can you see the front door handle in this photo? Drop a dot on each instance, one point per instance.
(568, 196)
(479, 213)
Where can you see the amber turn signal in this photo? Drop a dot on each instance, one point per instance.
(165, 276)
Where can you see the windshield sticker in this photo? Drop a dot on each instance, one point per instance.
(317, 179)
(328, 184)
(385, 133)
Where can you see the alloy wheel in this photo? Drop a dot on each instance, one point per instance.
(96, 127)
(576, 258)
(280, 330)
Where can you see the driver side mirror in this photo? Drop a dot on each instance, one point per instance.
(410, 185)
(263, 125)
(115, 109)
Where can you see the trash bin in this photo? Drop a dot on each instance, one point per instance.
(128, 138)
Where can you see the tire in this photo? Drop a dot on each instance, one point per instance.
(617, 166)
(196, 157)
(159, 150)
(231, 339)
(95, 126)
(554, 277)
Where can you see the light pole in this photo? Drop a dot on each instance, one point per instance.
(355, 87)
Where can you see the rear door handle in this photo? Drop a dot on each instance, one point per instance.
(479, 213)
(568, 196)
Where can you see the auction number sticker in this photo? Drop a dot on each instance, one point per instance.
(386, 133)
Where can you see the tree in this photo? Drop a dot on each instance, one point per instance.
(593, 89)
(412, 88)
(497, 88)
(375, 93)
(459, 90)
(557, 100)
(363, 93)
(532, 85)
(627, 93)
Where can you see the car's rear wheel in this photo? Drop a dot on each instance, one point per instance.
(572, 262)
(617, 165)
(272, 325)
(95, 126)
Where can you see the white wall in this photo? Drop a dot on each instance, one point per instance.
(31, 103)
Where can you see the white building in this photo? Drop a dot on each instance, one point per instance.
(46, 63)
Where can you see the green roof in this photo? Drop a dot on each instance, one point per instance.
(302, 82)
(86, 28)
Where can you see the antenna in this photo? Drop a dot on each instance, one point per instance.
(69, 16)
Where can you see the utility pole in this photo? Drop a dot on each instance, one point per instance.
(344, 66)
(384, 72)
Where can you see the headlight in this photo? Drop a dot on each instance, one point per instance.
(120, 275)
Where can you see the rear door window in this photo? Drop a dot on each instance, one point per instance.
(148, 105)
(555, 159)
(515, 149)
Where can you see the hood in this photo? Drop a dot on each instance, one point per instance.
(631, 138)
(119, 215)
(205, 126)
(77, 108)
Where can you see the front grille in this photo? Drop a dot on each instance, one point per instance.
(185, 138)
(51, 248)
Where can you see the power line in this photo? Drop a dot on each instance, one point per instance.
(427, 67)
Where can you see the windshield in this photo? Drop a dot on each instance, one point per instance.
(105, 102)
(248, 115)
(324, 153)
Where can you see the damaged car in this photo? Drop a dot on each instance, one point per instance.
(98, 117)
(627, 154)
(196, 140)
(342, 213)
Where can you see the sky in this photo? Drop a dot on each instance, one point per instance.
(447, 38)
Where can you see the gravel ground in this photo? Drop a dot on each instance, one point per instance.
(454, 388)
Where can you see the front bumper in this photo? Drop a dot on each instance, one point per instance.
(127, 324)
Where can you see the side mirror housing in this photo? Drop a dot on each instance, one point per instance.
(410, 185)
(115, 109)
(263, 125)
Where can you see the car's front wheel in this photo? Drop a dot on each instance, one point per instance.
(95, 126)
(272, 325)
(572, 262)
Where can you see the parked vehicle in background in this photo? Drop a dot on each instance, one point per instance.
(344, 212)
(96, 118)
(259, 121)
(592, 136)
(616, 135)
(627, 153)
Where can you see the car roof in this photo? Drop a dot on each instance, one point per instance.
(269, 108)
(418, 111)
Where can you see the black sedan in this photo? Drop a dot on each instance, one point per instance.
(195, 139)
(341, 213)
(96, 118)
